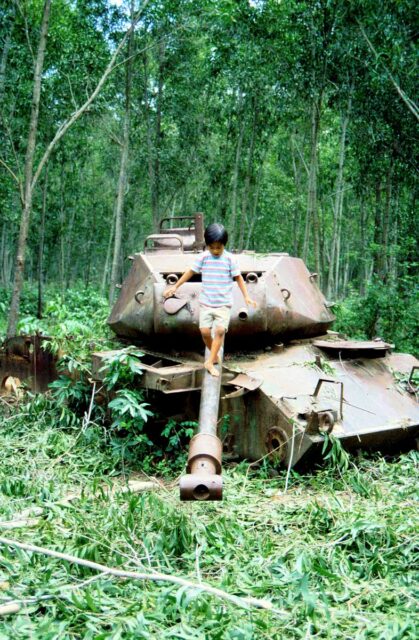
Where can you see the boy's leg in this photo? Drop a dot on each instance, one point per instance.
(218, 318)
(206, 320)
(206, 337)
(217, 341)
(206, 334)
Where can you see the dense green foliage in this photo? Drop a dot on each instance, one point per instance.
(117, 408)
(291, 122)
(335, 555)
(389, 314)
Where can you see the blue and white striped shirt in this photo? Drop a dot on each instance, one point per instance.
(217, 275)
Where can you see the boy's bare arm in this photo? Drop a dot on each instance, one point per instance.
(170, 291)
(243, 289)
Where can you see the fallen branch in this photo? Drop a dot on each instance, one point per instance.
(52, 596)
(9, 608)
(245, 603)
(18, 524)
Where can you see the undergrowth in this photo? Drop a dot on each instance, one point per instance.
(392, 314)
(334, 552)
(76, 321)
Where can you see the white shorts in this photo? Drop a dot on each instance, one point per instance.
(210, 317)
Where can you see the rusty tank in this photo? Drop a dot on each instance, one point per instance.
(287, 379)
(26, 359)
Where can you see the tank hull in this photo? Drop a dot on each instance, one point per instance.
(359, 401)
(281, 404)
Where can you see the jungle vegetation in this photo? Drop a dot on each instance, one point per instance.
(294, 123)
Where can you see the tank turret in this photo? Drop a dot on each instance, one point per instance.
(289, 301)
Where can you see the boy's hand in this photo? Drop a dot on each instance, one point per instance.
(170, 292)
(251, 303)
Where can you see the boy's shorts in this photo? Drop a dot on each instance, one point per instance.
(210, 317)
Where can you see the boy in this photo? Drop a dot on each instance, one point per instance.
(218, 269)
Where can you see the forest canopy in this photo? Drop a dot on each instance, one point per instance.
(293, 123)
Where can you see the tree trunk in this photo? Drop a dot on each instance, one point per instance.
(383, 257)
(108, 257)
(41, 245)
(259, 179)
(346, 271)
(154, 138)
(3, 254)
(234, 196)
(224, 175)
(377, 239)
(150, 147)
(248, 179)
(158, 138)
(392, 275)
(312, 216)
(28, 172)
(62, 231)
(363, 274)
(69, 252)
(333, 274)
(122, 180)
(297, 217)
(254, 212)
(89, 243)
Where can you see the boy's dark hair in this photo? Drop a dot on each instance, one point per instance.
(215, 233)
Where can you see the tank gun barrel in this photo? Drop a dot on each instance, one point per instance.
(203, 479)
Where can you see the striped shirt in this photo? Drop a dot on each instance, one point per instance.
(217, 275)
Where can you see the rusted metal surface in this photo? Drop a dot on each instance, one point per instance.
(360, 401)
(245, 382)
(203, 480)
(289, 302)
(170, 238)
(355, 348)
(27, 359)
(159, 372)
(283, 402)
(293, 396)
(411, 386)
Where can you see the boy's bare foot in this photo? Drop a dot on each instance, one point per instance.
(209, 366)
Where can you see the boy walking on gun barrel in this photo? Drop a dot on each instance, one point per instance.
(218, 269)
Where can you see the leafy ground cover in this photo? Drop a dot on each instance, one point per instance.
(332, 556)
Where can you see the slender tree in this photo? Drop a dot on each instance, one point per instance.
(28, 173)
(30, 176)
(123, 167)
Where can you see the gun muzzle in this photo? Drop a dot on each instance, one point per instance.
(203, 480)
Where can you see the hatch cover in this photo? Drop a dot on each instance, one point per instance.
(353, 348)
